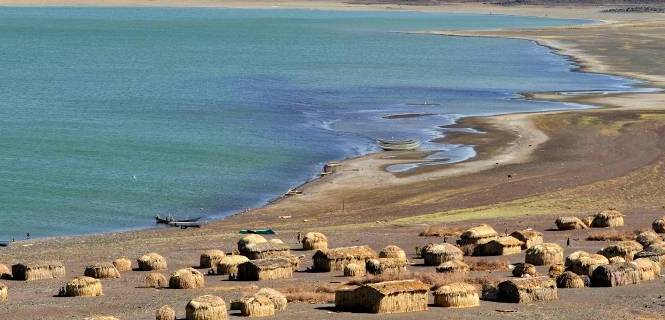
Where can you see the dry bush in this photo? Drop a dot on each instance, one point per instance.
(483, 265)
(612, 235)
(310, 294)
(441, 231)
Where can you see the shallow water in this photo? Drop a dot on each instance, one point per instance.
(110, 115)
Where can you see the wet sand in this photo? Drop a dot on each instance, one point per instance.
(530, 169)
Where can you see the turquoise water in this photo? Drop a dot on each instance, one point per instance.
(110, 115)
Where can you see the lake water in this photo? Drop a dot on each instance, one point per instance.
(110, 115)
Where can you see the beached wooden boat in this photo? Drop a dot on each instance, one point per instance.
(169, 219)
(185, 225)
(4, 243)
(398, 145)
(257, 231)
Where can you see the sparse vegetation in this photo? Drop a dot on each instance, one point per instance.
(612, 235)
(441, 231)
(484, 265)
(310, 294)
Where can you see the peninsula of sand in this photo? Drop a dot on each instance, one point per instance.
(530, 169)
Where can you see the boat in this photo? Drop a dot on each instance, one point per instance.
(398, 145)
(169, 219)
(257, 231)
(185, 225)
(4, 243)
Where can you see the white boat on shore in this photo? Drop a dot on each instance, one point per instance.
(398, 145)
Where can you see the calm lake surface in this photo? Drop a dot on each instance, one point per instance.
(110, 115)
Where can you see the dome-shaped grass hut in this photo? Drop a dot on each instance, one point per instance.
(654, 252)
(354, 270)
(393, 252)
(384, 297)
(335, 259)
(585, 263)
(206, 307)
(38, 270)
(528, 237)
(265, 269)
(102, 270)
(528, 290)
(437, 254)
(608, 219)
(155, 280)
(478, 235)
(122, 264)
(615, 274)
(380, 266)
(501, 246)
(256, 306)
(556, 270)
(315, 241)
(624, 249)
(544, 254)
(4, 293)
(277, 298)
(648, 269)
(569, 279)
(250, 239)
(5, 273)
(152, 262)
(83, 287)
(210, 258)
(658, 225)
(187, 278)
(456, 295)
(454, 267)
(263, 250)
(165, 313)
(524, 270)
(647, 238)
(570, 223)
(229, 265)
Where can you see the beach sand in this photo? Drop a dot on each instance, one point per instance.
(530, 169)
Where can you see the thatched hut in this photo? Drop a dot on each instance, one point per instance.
(624, 249)
(543, 254)
(165, 313)
(152, 262)
(570, 223)
(210, 258)
(647, 238)
(524, 270)
(354, 270)
(393, 252)
(437, 254)
(569, 279)
(473, 237)
(528, 290)
(4, 293)
(501, 246)
(615, 274)
(336, 259)
(607, 219)
(206, 307)
(457, 295)
(188, 278)
(155, 280)
(648, 269)
(655, 252)
(384, 297)
(256, 306)
(83, 287)
(250, 239)
(264, 250)
(528, 237)
(658, 225)
(102, 270)
(556, 270)
(277, 298)
(38, 271)
(315, 241)
(385, 266)
(229, 265)
(265, 269)
(454, 267)
(5, 273)
(276, 241)
(122, 264)
(616, 260)
(586, 263)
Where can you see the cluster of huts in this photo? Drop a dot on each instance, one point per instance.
(620, 263)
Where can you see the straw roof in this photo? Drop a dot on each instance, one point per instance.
(392, 251)
(569, 279)
(654, 252)
(528, 237)
(278, 299)
(616, 260)
(315, 241)
(211, 258)
(397, 286)
(624, 249)
(570, 223)
(265, 269)
(658, 225)
(155, 280)
(38, 270)
(585, 264)
(453, 266)
(256, 306)
(83, 287)
(483, 231)
(249, 239)
(648, 237)
(615, 274)
(4, 292)
(123, 264)
(5, 273)
(152, 262)
(347, 252)
(500, 246)
(354, 270)
(556, 270)
(187, 278)
(457, 295)
(607, 218)
(648, 269)
(165, 313)
(264, 250)
(436, 254)
(229, 265)
(543, 254)
(206, 307)
(528, 290)
(102, 270)
(385, 265)
(524, 270)
(574, 256)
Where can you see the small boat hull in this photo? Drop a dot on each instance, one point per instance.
(398, 145)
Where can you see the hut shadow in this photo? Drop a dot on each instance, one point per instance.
(327, 308)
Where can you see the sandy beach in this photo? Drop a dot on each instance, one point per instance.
(530, 169)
